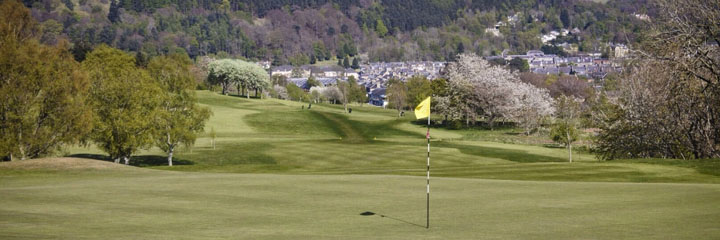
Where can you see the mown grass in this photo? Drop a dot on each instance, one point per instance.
(133, 203)
(323, 167)
(275, 136)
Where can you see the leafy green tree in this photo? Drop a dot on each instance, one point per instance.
(312, 82)
(43, 91)
(125, 100)
(565, 129)
(418, 88)
(519, 64)
(357, 91)
(380, 28)
(180, 117)
(295, 92)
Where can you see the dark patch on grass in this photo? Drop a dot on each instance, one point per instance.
(363, 132)
(507, 154)
(154, 160)
(704, 166)
(234, 154)
(138, 161)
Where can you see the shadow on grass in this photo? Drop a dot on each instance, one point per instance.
(507, 154)
(368, 213)
(138, 161)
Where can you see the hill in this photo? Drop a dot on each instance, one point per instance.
(295, 31)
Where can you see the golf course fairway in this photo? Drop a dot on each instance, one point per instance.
(118, 202)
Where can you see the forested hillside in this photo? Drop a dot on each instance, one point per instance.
(298, 32)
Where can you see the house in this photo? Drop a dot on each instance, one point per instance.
(350, 72)
(285, 70)
(621, 51)
(377, 97)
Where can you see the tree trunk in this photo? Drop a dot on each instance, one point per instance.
(569, 146)
(170, 154)
(11, 157)
(117, 160)
(127, 160)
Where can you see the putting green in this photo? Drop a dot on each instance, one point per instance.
(132, 203)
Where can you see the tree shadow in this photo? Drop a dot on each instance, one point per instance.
(368, 213)
(138, 161)
(507, 154)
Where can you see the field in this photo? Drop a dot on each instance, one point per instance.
(279, 171)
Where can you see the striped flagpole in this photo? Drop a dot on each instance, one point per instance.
(428, 174)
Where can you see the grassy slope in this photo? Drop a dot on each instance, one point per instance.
(314, 192)
(273, 136)
(132, 203)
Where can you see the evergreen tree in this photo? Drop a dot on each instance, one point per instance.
(113, 14)
(565, 18)
(346, 62)
(355, 64)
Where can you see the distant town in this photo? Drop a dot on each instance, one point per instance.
(375, 75)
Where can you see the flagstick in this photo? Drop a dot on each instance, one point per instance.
(428, 174)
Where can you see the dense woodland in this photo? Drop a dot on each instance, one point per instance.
(285, 31)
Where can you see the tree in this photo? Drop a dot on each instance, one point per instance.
(478, 89)
(294, 92)
(43, 91)
(418, 89)
(69, 4)
(345, 89)
(312, 82)
(222, 72)
(565, 129)
(565, 18)
(519, 64)
(533, 107)
(213, 136)
(125, 100)
(357, 91)
(355, 64)
(668, 101)
(397, 95)
(380, 28)
(181, 118)
(241, 73)
(114, 13)
(346, 62)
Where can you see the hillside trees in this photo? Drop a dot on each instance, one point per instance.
(180, 118)
(43, 91)
(125, 100)
(668, 104)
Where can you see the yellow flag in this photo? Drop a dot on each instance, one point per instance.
(423, 109)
